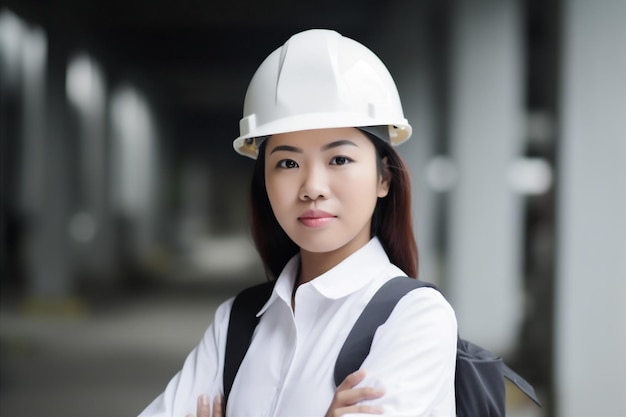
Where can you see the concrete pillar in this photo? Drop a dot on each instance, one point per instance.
(33, 72)
(46, 176)
(591, 270)
(486, 114)
(91, 225)
(136, 172)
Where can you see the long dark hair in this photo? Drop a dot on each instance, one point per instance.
(391, 221)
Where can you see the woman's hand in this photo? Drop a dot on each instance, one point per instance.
(203, 407)
(347, 397)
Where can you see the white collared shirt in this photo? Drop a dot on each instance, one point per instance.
(288, 370)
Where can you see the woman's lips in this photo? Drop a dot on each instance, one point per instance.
(315, 218)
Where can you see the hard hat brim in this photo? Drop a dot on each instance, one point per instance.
(246, 144)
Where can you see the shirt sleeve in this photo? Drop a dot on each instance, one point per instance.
(413, 357)
(201, 372)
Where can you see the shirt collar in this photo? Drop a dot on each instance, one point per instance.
(349, 276)
(354, 272)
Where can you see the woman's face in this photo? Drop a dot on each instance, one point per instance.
(323, 186)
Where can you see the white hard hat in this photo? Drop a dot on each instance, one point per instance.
(319, 79)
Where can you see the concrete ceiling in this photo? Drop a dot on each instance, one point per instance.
(195, 57)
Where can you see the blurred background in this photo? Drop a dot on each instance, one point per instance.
(124, 207)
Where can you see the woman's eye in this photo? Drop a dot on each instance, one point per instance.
(340, 160)
(287, 164)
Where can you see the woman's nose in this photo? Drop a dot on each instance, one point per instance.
(314, 184)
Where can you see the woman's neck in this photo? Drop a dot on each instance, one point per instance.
(314, 264)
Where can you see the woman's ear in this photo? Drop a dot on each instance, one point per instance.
(384, 181)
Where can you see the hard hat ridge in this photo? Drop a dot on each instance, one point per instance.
(307, 70)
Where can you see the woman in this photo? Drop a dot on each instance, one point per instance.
(331, 219)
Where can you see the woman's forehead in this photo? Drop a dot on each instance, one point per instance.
(317, 137)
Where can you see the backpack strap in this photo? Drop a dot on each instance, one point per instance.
(520, 383)
(243, 320)
(359, 341)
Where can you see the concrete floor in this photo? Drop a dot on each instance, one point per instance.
(105, 362)
(109, 361)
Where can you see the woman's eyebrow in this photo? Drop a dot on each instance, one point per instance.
(326, 147)
(286, 148)
(338, 143)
